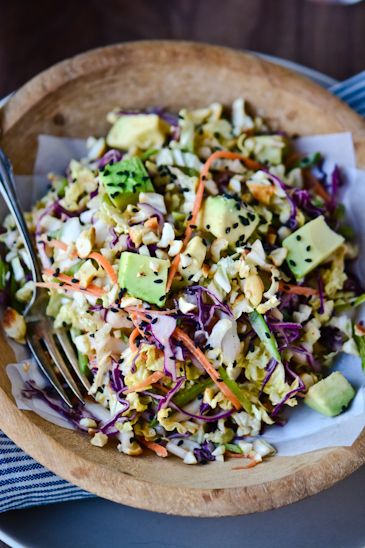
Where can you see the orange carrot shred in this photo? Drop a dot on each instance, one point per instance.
(250, 164)
(99, 258)
(251, 464)
(92, 289)
(160, 450)
(297, 289)
(132, 337)
(213, 373)
(151, 379)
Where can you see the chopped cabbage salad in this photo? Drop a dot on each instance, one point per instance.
(203, 271)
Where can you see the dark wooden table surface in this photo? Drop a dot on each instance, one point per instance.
(34, 34)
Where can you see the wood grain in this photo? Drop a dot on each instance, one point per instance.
(36, 34)
(72, 99)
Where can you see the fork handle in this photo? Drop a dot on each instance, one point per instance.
(7, 189)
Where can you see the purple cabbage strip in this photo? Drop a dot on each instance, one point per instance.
(152, 212)
(270, 368)
(303, 200)
(301, 387)
(292, 222)
(49, 209)
(336, 182)
(94, 193)
(162, 328)
(166, 400)
(60, 210)
(299, 349)
(73, 415)
(108, 427)
(206, 418)
(110, 157)
(114, 235)
(116, 379)
(204, 453)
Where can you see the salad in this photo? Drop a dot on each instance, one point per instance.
(203, 270)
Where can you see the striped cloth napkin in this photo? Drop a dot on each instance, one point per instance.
(23, 481)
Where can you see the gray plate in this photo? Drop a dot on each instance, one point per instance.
(332, 518)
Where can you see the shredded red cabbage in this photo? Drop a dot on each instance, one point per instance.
(321, 294)
(204, 453)
(301, 388)
(270, 368)
(292, 222)
(164, 402)
(162, 328)
(72, 415)
(110, 157)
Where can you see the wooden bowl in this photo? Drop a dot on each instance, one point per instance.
(72, 99)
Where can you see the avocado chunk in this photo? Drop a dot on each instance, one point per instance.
(124, 181)
(143, 277)
(228, 218)
(141, 130)
(330, 395)
(310, 245)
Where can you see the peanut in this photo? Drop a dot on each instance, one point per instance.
(254, 289)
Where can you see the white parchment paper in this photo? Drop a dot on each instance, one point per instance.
(306, 430)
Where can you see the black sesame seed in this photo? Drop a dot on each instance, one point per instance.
(200, 396)
(293, 263)
(251, 216)
(158, 281)
(308, 248)
(228, 229)
(207, 227)
(219, 379)
(235, 225)
(62, 284)
(92, 335)
(180, 442)
(154, 320)
(267, 335)
(308, 260)
(193, 226)
(191, 277)
(74, 280)
(115, 310)
(121, 360)
(190, 217)
(162, 298)
(298, 237)
(243, 220)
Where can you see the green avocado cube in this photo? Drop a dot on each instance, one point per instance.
(144, 277)
(330, 395)
(228, 218)
(124, 181)
(310, 245)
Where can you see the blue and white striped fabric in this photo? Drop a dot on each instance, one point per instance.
(23, 481)
(352, 92)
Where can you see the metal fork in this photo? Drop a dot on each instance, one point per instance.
(42, 338)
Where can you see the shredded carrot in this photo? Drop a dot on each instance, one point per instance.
(234, 455)
(152, 223)
(66, 287)
(61, 245)
(151, 379)
(92, 288)
(251, 464)
(316, 186)
(132, 337)
(297, 289)
(99, 258)
(250, 164)
(160, 450)
(214, 375)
